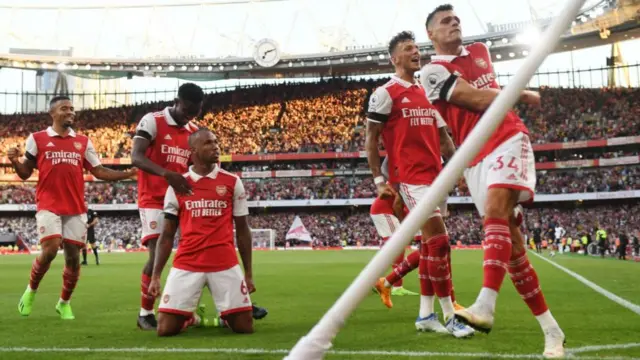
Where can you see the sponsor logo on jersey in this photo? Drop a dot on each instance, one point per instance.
(484, 81)
(420, 116)
(63, 157)
(203, 207)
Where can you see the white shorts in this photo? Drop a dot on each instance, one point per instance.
(511, 165)
(152, 222)
(411, 194)
(72, 229)
(385, 224)
(183, 289)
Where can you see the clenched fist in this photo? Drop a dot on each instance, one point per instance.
(13, 154)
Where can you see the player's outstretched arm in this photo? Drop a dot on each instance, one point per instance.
(106, 174)
(243, 233)
(163, 251)
(23, 168)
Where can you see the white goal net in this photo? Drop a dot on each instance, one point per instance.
(263, 239)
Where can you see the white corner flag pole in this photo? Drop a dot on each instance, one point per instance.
(318, 341)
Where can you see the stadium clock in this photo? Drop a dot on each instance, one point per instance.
(266, 53)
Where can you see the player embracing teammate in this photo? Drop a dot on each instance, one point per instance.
(460, 82)
(414, 134)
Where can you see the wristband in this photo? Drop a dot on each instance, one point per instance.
(378, 180)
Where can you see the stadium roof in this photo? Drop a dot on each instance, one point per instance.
(148, 29)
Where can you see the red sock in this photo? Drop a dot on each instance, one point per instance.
(70, 278)
(397, 263)
(439, 265)
(497, 251)
(37, 273)
(426, 288)
(189, 322)
(525, 279)
(147, 301)
(410, 263)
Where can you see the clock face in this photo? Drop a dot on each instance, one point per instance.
(266, 53)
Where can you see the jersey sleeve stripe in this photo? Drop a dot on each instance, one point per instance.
(447, 86)
(29, 156)
(377, 117)
(169, 216)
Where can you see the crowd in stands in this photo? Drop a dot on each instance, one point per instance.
(354, 225)
(329, 116)
(348, 187)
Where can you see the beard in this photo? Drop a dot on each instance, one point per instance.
(67, 124)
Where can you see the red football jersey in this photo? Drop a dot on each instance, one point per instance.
(60, 161)
(411, 131)
(206, 220)
(473, 65)
(169, 148)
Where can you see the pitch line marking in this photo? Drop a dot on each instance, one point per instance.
(606, 293)
(411, 354)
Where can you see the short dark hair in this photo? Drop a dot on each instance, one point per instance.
(400, 37)
(443, 7)
(55, 99)
(190, 92)
(194, 135)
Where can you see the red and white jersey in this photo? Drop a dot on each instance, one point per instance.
(473, 65)
(60, 161)
(169, 148)
(411, 131)
(206, 220)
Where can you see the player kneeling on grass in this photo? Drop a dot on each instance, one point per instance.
(206, 253)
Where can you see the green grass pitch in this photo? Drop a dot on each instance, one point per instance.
(297, 288)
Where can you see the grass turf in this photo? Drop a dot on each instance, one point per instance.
(298, 288)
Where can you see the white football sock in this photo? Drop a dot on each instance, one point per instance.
(547, 321)
(386, 283)
(145, 312)
(487, 299)
(426, 305)
(63, 301)
(447, 307)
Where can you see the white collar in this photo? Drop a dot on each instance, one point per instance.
(53, 133)
(403, 82)
(171, 121)
(212, 175)
(449, 58)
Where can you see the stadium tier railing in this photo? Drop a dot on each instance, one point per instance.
(619, 141)
(454, 200)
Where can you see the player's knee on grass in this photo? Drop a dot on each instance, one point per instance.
(241, 322)
(49, 250)
(500, 203)
(170, 324)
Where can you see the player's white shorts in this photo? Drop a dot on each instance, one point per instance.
(386, 224)
(411, 194)
(72, 229)
(511, 165)
(152, 222)
(183, 288)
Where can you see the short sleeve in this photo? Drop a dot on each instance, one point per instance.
(91, 155)
(438, 82)
(171, 205)
(380, 105)
(31, 148)
(440, 120)
(240, 206)
(147, 128)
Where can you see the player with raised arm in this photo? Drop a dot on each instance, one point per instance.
(415, 136)
(460, 82)
(161, 151)
(60, 155)
(206, 252)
